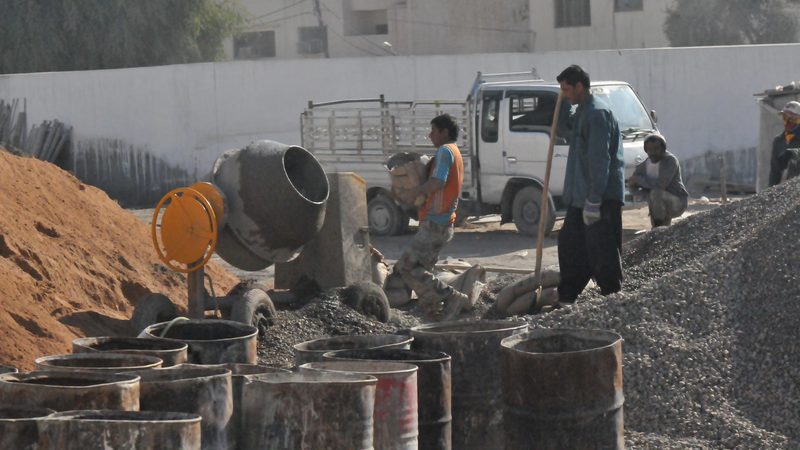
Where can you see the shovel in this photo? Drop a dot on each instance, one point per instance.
(544, 209)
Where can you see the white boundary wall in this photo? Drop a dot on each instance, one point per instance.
(183, 116)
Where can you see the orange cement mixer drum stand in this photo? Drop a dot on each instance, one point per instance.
(189, 222)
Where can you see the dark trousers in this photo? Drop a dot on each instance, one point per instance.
(590, 251)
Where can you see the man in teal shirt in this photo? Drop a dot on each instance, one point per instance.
(590, 241)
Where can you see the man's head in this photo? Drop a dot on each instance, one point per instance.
(655, 146)
(575, 84)
(443, 130)
(791, 115)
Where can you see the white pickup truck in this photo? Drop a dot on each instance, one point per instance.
(505, 131)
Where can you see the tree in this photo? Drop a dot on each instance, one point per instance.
(56, 35)
(731, 22)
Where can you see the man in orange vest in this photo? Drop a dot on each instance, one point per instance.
(436, 218)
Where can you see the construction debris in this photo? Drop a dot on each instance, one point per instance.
(45, 141)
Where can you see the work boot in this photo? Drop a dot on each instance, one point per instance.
(453, 304)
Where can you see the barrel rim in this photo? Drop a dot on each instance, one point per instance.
(429, 329)
(106, 379)
(401, 340)
(178, 417)
(253, 331)
(344, 378)
(151, 362)
(440, 356)
(233, 367)
(170, 345)
(193, 373)
(31, 413)
(399, 368)
(509, 342)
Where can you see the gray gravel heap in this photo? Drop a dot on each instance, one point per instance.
(709, 313)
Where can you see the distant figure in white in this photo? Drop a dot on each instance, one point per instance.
(660, 177)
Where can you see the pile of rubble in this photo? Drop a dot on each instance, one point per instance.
(708, 313)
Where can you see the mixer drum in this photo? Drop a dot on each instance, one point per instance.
(275, 199)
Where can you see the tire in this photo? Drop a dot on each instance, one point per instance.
(255, 308)
(526, 211)
(368, 299)
(386, 218)
(150, 309)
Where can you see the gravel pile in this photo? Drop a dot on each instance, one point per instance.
(709, 316)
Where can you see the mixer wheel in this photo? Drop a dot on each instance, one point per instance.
(369, 299)
(150, 309)
(254, 307)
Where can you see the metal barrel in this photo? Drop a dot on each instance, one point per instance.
(7, 369)
(312, 351)
(65, 391)
(18, 429)
(308, 411)
(433, 389)
(239, 376)
(264, 183)
(97, 362)
(171, 353)
(119, 430)
(475, 349)
(562, 388)
(206, 391)
(211, 341)
(395, 422)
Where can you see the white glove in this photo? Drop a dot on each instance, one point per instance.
(591, 212)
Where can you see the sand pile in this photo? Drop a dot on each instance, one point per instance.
(72, 262)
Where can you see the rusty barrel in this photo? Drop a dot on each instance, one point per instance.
(171, 353)
(65, 391)
(312, 351)
(396, 411)
(308, 411)
(562, 388)
(433, 389)
(239, 376)
(211, 341)
(206, 391)
(97, 362)
(18, 429)
(119, 430)
(7, 369)
(275, 203)
(475, 349)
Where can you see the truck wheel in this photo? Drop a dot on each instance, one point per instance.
(255, 308)
(385, 217)
(527, 210)
(150, 309)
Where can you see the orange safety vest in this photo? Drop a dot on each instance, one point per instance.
(446, 199)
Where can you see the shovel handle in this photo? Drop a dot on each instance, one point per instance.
(543, 205)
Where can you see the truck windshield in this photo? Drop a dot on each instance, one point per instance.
(629, 111)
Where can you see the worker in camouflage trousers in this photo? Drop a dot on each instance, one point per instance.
(436, 218)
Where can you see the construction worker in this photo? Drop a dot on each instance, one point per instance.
(660, 177)
(786, 146)
(436, 218)
(590, 241)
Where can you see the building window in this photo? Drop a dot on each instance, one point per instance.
(362, 23)
(573, 13)
(312, 40)
(254, 45)
(628, 5)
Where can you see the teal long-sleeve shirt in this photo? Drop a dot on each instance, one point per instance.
(595, 165)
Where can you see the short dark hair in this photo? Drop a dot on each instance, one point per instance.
(446, 122)
(573, 75)
(656, 138)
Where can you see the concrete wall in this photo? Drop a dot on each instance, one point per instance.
(608, 29)
(139, 131)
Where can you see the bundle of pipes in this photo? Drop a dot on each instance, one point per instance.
(46, 140)
(13, 124)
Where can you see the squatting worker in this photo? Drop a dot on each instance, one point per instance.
(436, 218)
(590, 241)
(660, 176)
(786, 146)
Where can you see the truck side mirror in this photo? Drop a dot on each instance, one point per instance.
(654, 116)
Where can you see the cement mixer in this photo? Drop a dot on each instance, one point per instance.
(263, 203)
